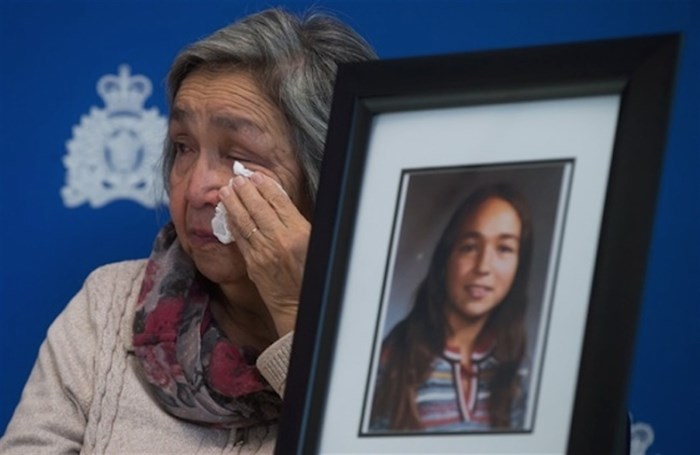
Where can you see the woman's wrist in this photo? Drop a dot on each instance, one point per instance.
(284, 321)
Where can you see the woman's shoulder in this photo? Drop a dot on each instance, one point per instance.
(110, 295)
(115, 282)
(130, 270)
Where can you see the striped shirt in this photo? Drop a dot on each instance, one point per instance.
(454, 399)
(444, 400)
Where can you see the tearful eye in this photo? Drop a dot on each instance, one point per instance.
(233, 158)
(184, 156)
(243, 158)
(181, 148)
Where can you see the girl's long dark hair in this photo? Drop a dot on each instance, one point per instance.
(417, 340)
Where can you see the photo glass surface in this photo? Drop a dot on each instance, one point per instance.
(433, 233)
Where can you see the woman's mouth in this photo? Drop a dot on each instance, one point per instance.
(201, 237)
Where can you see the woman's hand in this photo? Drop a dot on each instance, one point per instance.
(273, 238)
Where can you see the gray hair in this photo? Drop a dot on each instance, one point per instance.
(294, 59)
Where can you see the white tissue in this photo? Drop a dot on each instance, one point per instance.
(219, 223)
(239, 169)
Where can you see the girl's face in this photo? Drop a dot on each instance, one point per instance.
(484, 259)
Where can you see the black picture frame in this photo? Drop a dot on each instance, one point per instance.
(639, 71)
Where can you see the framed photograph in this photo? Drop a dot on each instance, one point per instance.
(541, 188)
(477, 256)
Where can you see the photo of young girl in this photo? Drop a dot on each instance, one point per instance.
(458, 360)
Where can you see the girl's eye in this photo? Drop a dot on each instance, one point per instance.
(467, 247)
(506, 249)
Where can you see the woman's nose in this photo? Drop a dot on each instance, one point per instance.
(205, 180)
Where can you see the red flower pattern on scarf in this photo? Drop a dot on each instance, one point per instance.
(195, 372)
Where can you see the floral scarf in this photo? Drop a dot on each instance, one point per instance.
(193, 370)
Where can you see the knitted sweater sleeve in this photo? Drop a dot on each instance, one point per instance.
(53, 413)
(274, 360)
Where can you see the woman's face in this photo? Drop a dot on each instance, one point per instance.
(484, 259)
(217, 118)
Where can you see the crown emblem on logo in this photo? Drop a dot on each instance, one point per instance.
(114, 152)
(123, 93)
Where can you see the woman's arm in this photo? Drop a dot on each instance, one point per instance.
(274, 361)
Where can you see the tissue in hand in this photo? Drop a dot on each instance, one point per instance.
(219, 223)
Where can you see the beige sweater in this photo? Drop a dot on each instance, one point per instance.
(83, 395)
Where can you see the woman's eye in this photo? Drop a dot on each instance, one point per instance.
(181, 148)
(237, 156)
(248, 161)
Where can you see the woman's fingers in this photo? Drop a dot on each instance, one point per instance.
(259, 204)
(276, 197)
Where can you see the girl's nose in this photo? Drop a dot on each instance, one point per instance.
(483, 263)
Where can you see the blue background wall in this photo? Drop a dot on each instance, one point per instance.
(53, 53)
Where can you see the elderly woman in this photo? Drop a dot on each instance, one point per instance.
(186, 352)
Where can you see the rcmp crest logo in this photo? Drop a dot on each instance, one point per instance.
(114, 152)
(642, 436)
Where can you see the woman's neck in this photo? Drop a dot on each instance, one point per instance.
(242, 315)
